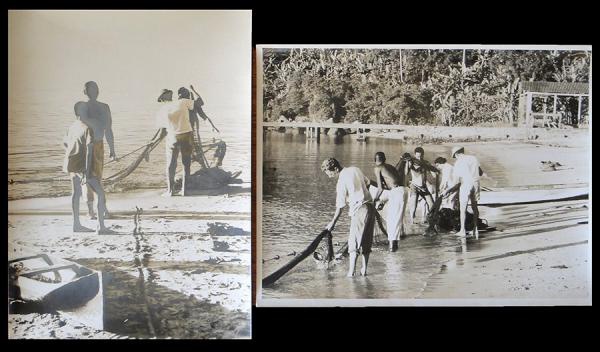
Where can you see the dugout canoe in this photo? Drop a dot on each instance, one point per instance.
(494, 197)
(47, 284)
(530, 195)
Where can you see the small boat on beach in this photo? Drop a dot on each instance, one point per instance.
(45, 284)
(529, 195)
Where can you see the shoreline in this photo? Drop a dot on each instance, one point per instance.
(444, 134)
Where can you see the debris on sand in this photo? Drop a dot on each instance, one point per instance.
(219, 246)
(552, 166)
(44, 326)
(559, 267)
(212, 260)
(223, 229)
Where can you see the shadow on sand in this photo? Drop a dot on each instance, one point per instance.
(138, 307)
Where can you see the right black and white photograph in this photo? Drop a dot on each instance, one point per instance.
(423, 175)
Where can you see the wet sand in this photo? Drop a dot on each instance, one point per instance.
(540, 253)
(185, 272)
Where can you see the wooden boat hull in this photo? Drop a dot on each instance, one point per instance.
(51, 285)
(518, 195)
(529, 196)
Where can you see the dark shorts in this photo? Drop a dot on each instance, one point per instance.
(179, 143)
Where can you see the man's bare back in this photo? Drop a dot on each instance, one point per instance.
(389, 175)
(99, 119)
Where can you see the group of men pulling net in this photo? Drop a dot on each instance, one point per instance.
(209, 175)
(439, 218)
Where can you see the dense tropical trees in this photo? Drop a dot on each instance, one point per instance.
(409, 86)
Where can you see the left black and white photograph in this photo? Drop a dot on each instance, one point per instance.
(129, 174)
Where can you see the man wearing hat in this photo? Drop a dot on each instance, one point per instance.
(467, 172)
(352, 188)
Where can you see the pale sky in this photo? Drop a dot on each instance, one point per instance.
(132, 53)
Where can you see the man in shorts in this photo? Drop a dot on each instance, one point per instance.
(388, 177)
(352, 188)
(419, 169)
(468, 172)
(99, 120)
(78, 162)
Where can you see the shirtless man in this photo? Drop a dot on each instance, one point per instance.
(389, 178)
(418, 168)
(467, 171)
(352, 187)
(99, 120)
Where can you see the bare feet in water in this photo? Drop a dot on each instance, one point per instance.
(350, 274)
(167, 194)
(462, 234)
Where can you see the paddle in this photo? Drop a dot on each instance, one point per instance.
(205, 117)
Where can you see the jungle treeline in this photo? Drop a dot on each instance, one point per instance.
(450, 87)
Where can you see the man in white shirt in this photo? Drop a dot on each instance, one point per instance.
(174, 116)
(467, 171)
(352, 188)
(447, 182)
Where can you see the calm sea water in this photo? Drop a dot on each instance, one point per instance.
(38, 121)
(299, 201)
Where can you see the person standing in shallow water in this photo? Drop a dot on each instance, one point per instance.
(388, 177)
(419, 168)
(446, 184)
(467, 172)
(99, 120)
(352, 188)
(78, 163)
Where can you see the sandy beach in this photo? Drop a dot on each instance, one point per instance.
(191, 255)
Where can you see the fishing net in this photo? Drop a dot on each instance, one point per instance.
(143, 155)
